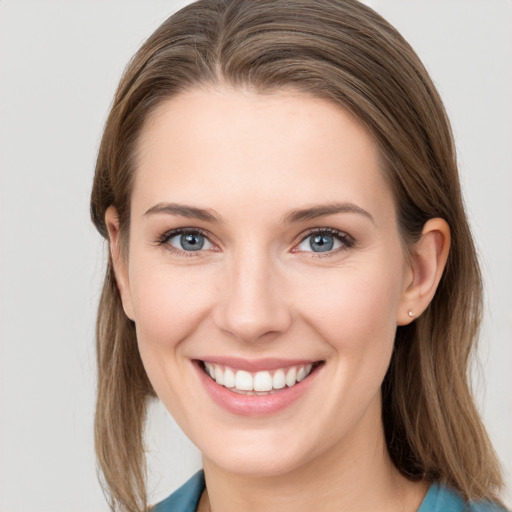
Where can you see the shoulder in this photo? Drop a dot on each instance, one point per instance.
(440, 498)
(186, 498)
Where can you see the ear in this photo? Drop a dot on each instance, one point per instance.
(428, 260)
(119, 260)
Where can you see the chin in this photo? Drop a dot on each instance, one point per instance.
(257, 463)
(257, 455)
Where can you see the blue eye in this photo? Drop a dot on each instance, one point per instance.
(321, 243)
(324, 241)
(189, 241)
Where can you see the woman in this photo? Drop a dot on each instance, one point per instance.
(291, 270)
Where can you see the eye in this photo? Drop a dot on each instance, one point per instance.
(325, 241)
(186, 241)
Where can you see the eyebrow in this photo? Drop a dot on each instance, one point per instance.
(313, 212)
(182, 210)
(298, 215)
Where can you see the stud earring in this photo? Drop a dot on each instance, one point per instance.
(411, 314)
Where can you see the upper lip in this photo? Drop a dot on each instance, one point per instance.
(255, 365)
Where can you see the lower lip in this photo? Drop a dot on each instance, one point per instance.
(254, 405)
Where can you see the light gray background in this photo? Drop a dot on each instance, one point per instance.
(59, 66)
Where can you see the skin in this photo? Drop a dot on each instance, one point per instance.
(257, 289)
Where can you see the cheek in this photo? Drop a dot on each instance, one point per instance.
(168, 304)
(354, 312)
(352, 307)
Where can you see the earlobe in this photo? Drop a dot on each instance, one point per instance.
(428, 260)
(119, 260)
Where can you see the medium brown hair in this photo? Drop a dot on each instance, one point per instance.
(342, 51)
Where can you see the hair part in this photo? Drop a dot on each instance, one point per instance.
(344, 52)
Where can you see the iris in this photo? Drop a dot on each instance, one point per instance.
(321, 242)
(192, 241)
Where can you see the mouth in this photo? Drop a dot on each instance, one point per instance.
(259, 383)
(256, 388)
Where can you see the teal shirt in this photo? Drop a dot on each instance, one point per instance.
(438, 499)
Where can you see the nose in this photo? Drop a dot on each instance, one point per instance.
(252, 304)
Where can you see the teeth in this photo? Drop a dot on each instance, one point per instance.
(291, 377)
(229, 378)
(279, 380)
(243, 381)
(258, 383)
(219, 375)
(210, 369)
(303, 372)
(262, 381)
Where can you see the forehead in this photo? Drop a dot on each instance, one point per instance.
(250, 145)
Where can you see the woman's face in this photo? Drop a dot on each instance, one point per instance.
(263, 248)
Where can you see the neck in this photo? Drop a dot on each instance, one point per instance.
(354, 475)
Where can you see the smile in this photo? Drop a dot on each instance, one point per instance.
(256, 388)
(257, 383)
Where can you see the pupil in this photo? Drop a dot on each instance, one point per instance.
(321, 243)
(192, 242)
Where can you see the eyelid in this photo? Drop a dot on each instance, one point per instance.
(163, 239)
(346, 240)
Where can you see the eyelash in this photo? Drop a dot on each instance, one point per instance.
(346, 240)
(168, 235)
